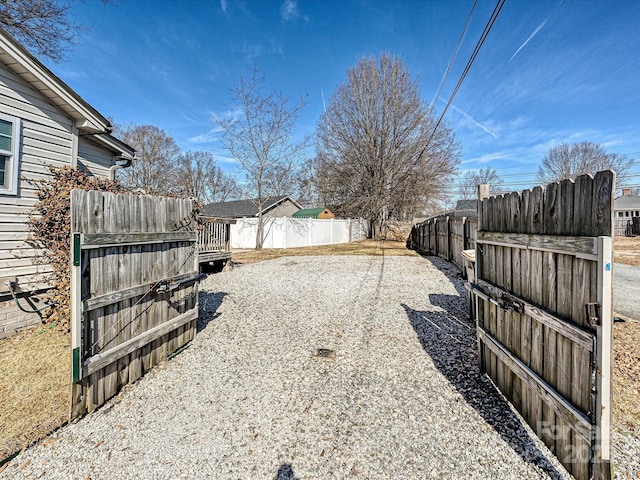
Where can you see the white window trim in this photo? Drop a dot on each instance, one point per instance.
(12, 169)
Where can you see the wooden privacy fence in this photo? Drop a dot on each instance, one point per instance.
(544, 312)
(445, 236)
(133, 289)
(627, 227)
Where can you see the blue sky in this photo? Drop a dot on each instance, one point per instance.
(549, 71)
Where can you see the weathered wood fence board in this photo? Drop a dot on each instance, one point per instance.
(445, 237)
(544, 317)
(134, 289)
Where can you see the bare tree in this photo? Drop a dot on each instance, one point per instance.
(571, 160)
(154, 170)
(198, 176)
(472, 179)
(41, 25)
(224, 187)
(261, 139)
(379, 154)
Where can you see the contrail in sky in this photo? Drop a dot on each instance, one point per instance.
(529, 39)
(475, 122)
(536, 30)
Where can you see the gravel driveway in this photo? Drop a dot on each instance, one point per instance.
(626, 290)
(402, 398)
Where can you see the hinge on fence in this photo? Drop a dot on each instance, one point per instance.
(76, 367)
(165, 286)
(592, 310)
(501, 299)
(76, 249)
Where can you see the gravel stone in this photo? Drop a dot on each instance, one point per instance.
(402, 398)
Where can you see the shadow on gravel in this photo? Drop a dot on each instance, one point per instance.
(285, 472)
(209, 302)
(449, 337)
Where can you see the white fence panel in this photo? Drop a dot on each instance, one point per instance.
(297, 232)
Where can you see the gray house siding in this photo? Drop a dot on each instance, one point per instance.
(50, 116)
(94, 158)
(45, 137)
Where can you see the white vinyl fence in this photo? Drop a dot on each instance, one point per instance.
(297, 232)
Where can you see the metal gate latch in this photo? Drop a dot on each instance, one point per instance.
(592, 310)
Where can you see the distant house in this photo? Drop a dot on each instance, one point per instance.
(320, 213)
(466, 208)
(627, 205)
(42, 122)
(282, 206)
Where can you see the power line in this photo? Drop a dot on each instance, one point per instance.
(453, 57)
(483, 37)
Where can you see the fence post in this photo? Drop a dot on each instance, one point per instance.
(331, 231)
(483, 192)
(464, 233)
(604, 340)
(286, 232)
(449, 246)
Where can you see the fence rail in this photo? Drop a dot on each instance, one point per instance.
(544, 312)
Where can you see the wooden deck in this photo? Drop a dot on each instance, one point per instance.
(214, 240)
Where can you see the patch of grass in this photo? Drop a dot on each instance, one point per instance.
(627, 250)
(35, 373)
(365, 247)
(626, 375)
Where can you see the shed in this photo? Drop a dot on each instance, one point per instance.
(320, 212)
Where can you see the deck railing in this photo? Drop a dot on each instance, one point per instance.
(214, 234)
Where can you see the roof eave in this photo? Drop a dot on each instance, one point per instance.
(32, 71)
(115, 145)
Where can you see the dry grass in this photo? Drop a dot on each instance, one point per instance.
(35, 369)
(626, 350)
(627, 250)
(365, 247)
(626, 375)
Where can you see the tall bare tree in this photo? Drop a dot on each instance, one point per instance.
(198, 176)
(571, 160)
(262, 138)
(473, 178)
(154, 170)
(379, 154)
(42, 26)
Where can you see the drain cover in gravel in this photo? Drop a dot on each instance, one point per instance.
(324, 353)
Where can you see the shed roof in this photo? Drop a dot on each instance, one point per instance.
(244, 208)
(309, 212)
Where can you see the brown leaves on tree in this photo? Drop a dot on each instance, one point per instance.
(50, 229)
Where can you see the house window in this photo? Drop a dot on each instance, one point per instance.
(620, 214)
(9, 147)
